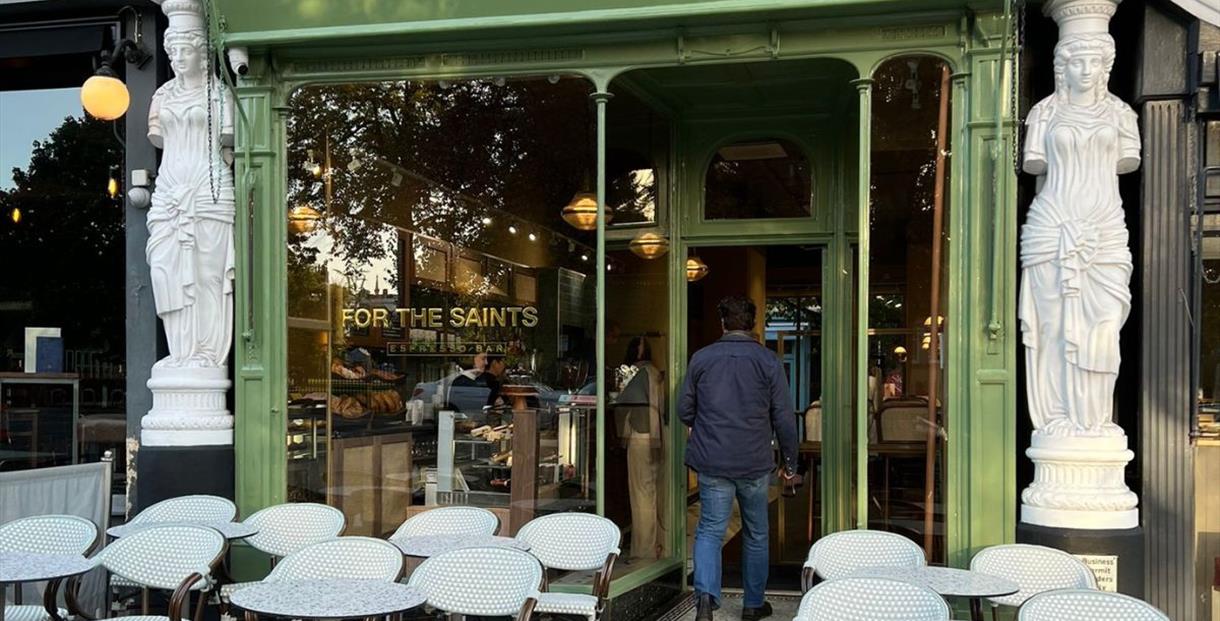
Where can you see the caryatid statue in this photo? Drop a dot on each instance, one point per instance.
(1075, 279)
(190, 246)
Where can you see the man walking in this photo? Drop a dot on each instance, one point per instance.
(734, 399)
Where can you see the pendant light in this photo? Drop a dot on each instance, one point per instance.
(303, 219)
(649, 246)
(581, 211)
(696, 269)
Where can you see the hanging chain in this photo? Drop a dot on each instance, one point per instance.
(209, 84)
(1017, 33)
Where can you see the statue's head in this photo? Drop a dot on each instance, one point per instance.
(187, 51)
(185, 41)
(1083, 64)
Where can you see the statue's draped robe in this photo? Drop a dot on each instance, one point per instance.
(190, 245)
(1076, 265)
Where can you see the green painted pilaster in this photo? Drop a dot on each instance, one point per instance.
(981, 506)
(260, 292)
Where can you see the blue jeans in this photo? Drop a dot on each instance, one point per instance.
(715, 506)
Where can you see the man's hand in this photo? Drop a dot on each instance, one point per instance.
(790, 481)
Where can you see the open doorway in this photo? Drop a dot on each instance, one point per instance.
(785, 283)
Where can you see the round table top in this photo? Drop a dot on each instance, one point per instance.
(230, 530)
(947, 580)
(36, 567)
(427, 546)
(327, 599)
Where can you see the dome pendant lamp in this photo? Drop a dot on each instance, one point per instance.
(649, 246)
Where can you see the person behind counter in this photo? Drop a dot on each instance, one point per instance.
(640, 417)
(734, 399)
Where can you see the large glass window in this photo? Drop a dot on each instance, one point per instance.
(62, 346)
(1207, 456)
(908, 295)
(441, 299)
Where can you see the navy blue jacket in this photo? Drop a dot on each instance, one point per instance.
(734, 398)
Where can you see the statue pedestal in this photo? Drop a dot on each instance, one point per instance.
(189, 408)
(1078, 483)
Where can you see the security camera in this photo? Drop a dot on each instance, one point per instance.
(239, 60)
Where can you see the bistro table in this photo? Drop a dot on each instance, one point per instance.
(19, 567)
(427, 546)
(327, 599)
(230, 530)
(949, 582)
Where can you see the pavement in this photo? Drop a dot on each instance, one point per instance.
(785, 606)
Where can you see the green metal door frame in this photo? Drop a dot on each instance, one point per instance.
(982, 226)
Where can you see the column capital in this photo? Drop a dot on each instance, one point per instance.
(862, 84)
(601, 96)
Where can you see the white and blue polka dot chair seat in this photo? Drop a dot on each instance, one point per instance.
(163, 557)
(197, 508)
(490, 582)
(287, 528)
(839, 555)
(49, 534)
(30, 612)
(284, 529)
(46, 534)
(1080, 604)
(576, 604)
(350, 558)
(449, 521)
(871, 599)
(1034, 568)
(573, 542)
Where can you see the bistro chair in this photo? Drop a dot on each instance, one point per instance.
(1077, 604)
(871, 599)
(488, 582)
(287, 528)
(840, 554)
(193, 509)
(470, 521)
(1034, 568)
(46, 534)
(574, 542)
(196, 509)
(349, 558)
(176, 558)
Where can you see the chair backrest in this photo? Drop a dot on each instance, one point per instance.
(838, 555)
(450, 521)
(161, 557)
(198, 508)
(353, 558)
(1076, 604)
(571, 541)
(1034, 568)
(284, 529)
(49, 534)
(489, 582)
(871, 599)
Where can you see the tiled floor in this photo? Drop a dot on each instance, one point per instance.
(730, 607)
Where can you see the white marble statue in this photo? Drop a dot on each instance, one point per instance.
(190, 246)
(1075, 280)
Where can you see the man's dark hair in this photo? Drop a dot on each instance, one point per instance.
(737, 313)
(634, 354)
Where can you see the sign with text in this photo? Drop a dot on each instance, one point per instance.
(435, 317)
(1105, 569)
